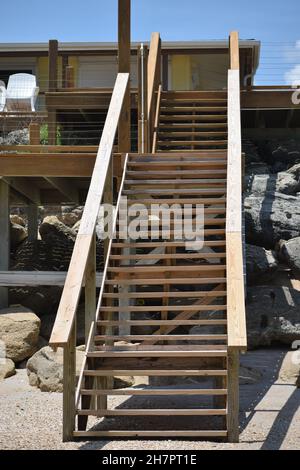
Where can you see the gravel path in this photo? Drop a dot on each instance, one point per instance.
(270, 415)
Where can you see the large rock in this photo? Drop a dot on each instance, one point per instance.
(70, 215)
(19, 137)
(41, 256)
(260, 263)
(7, 368)
(271, 217)
(41, 300)
(17, 219)
(45, 369)
(273, 316)
(52, 229)
(290, 252)
(18, 234)
(19, 330)
(283, 182)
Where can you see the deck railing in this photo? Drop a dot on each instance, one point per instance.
(236, 317)
(154, 82)
(82, 270)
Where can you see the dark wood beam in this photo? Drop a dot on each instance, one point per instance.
(124, 46)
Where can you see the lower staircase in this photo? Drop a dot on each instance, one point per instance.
(162, 310)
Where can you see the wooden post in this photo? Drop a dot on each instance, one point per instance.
(233, 395)
(69, 385)
(143, 143)
(52, 87)
(70, 77)
(90, 289)
(4, 238)
(165, 72)
(32, 213)
(65, 61)
(124, 33)
(234, 50)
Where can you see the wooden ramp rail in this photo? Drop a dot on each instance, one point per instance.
(236, 316)
(82, 266)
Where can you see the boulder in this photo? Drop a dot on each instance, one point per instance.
(41, 300)
(70, 215)
(18, 234)
(7, 368)
(271, 217)
(290, 252)
(52, 229)
(289, 372)
(19, 137)
(16, 219)
(272, 316)
(45, 369)
(19, 330)
(261, 184)
(260, 263)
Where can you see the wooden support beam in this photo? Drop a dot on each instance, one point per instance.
(52, 86)
(27, 189)
(233, 395)
(37, 278)
(124, 44)
(4, 238)
(66, 188)
(234, 50)
(34, 133)
(70, 77)
(69, 385)
(143, 142)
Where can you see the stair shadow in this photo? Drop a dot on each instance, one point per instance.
(269, 362)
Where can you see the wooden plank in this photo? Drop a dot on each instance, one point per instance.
(138, 353)
(74, 281)
(86, 149)
(156, 372)
(4, 238)
(175, 244)
(153, 412)
(165, 308)
(53, 65)
(170, 281)
(143, 128)
(149, 434)
(234, 51)
(69, 384)
(124, 56)
(233, 396)
(105, 323)
(185, 256)
(161, 337)
(172, 294)
(163, 269)
(154, 80)
(90, 290)
(157, 392)
(48, 165)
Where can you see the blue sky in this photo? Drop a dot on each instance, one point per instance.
(274, 22)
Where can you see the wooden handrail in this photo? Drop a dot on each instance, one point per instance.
(154, 80)
(156, 122)
(237, 336)
(75, 278)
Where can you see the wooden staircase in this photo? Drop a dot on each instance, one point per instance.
(168, 311)
(192, 121)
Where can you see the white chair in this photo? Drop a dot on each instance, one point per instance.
(21, 93)
(2, 96)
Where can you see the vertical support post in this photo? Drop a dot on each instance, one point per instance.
(143, 142)
(124, 32)
(65, 61)
(4, 238)
(69, 384)
(234, 50)
(52, 87)
(70, 77)
(165, 72)
(90, 289)
(233, 395)
(32, 213)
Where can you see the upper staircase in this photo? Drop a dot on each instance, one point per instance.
(171, 308)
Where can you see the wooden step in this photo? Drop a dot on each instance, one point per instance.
(164, 244)
(192, 109)
(166, 281)
(165, 269)
(202, 143)
(162, 192)
(197, 174)
(149, 434)
(218, 118)
(169, 256)
(184, 200)
(179, 164)
(198, 183)
(152, 353)
(168, 134)
(155, 337)
(156, 392)
(198, 125)
(169, 294)
(154, 412)
(164, 308)
(156, 372)
(107, 323)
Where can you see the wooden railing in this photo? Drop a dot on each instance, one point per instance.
(82, 270)
(236, 317)
(154, 82)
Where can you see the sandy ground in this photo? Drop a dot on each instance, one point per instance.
(270, 415)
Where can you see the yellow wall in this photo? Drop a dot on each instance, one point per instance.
(181, 72)
(42, 74)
